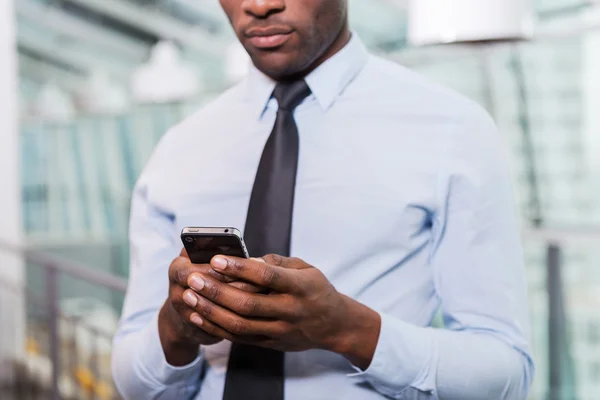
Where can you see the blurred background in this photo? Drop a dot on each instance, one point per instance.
(88, 87)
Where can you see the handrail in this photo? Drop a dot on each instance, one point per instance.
(68, 267)
(563, 235)
(39, 301)
(52, 266)
(81, 271)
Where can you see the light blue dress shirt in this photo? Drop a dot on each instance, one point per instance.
(403, 200)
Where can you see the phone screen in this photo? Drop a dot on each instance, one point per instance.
(201, 249)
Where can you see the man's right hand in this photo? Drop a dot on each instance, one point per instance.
(179, 337)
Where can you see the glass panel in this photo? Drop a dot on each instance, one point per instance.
(543, 97)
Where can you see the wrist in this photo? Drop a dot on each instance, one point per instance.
(359, 333)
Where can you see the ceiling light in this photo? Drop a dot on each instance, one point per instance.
(165, 78)
(443, 21)
(100, 95)
(53, 105)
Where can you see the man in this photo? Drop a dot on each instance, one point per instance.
(394, 196)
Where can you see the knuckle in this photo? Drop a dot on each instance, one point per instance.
(297, 313)
(268, 258)
(248, 305)
(268, 276)
(238, 327)
(247, 287)
(204, 308)
(208, 328)
(281, 330)
(295, 260)
(273, 259)
(181, 275)
(234, 266)
(213, 291)
(218, 276)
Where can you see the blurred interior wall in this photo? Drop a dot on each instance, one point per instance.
(11, 268)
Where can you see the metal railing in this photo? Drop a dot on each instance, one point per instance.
(61, 371)
(559, 375)
(561, 372)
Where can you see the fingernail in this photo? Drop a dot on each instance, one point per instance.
(195, 318)
(219, 263)
(196, 282)
(190, 299)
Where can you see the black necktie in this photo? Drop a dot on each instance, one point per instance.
(255, 373)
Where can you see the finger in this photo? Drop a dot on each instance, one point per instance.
(195, 322)
(248, 287)
(213, 273)
(181, 268)
(235, 324)
(217, 275)
(285, 262)
(186, 313)
(209, 328)
(214, 330)
(256, 271)
(240, 302)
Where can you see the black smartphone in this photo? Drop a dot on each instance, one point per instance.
(202, 244)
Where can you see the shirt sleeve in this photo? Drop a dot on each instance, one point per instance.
(140, 370)
(479, 276)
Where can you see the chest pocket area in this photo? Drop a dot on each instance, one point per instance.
(358, 219)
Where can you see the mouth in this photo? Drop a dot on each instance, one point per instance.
(268, 38)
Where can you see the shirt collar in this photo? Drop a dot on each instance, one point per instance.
(326, 82)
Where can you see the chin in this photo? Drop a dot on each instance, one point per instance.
(277, 65)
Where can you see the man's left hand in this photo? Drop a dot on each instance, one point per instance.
(302, 310)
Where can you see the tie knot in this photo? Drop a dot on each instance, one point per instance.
(290, 94)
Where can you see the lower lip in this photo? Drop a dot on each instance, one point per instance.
(269, 42)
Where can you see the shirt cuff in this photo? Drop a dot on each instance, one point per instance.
(404, 358)
(151, 358)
